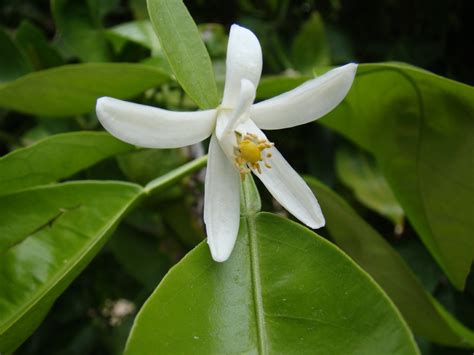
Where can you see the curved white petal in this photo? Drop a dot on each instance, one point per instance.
(153, 127)
(229, 120)
(221, 203)
(290, 190)
(244, 102)
(307, 102)
(285, 185)
(244, 61)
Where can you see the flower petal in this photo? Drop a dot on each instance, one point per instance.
(244, 61)
(307, 102)
(153, 127)
(221, 203)
(284, 183)
(229, 120)
(290, 190)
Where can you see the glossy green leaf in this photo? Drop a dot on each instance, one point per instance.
(283, 290)
(57, 231)
(74, 89)
(79, 26)
(185, 50)
(49, 233)
(12, 62)
(369, 249)
(358, 172)
(310, 47)
(419, 126)
(56, 157)
(34, 44)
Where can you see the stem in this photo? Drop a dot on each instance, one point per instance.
(175, 175)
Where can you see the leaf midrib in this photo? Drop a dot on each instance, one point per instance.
(255, 274)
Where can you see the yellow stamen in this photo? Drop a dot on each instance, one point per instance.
(248, 153)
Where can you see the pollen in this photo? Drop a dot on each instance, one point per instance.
(248, 153)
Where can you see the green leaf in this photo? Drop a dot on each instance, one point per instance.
(185, 50)
(310, 47)
(57, 231)
(54, 158)
(140, 256)
(283, 290)
(34, 44)
(48, 234)
(12, 62)
(275, 85)
(79, 26)
(357, 171)
(144, 165)
(74, 89)
(419, 126)
(369, 249)
(140, 32)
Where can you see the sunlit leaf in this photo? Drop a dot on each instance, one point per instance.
(369, 249)
(185, 50)
(73, 89)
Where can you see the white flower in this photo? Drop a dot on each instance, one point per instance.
(237, 143)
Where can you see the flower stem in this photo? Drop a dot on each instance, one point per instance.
(175, 175)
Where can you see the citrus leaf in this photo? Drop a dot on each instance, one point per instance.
(56, 157)
(73, 89)
(369, 249)
(79, 26)
(283, 290)
(12, 62)
(358, 172)
(34, 44)
(419, 126)
(52, 232)
(185, 50)
(310, 47)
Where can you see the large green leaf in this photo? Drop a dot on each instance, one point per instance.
(420, 127)
(49, 233)
(284, 290)
(12, 62)
(58, 229)
(73, 89)
(185, 50)
(369, 249)
(358, 171)
(79, 25)
(56, 157)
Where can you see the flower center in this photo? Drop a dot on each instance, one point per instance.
(248, 153)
